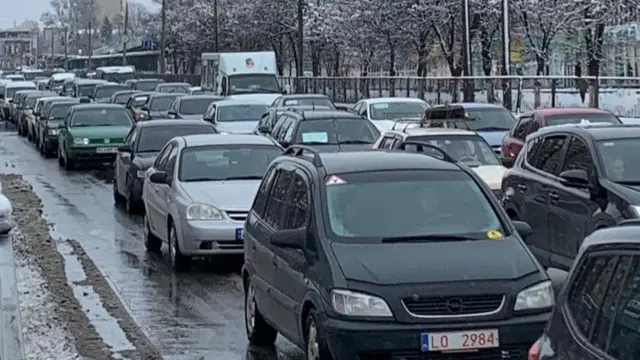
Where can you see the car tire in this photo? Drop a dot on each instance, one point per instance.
(151, 242)
(68, 163)
(179, 262)
(117, 197)
(315, 345)
(259, 332)
(60, 158)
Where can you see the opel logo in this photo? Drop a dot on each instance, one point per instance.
(106, 141)
(454, 305)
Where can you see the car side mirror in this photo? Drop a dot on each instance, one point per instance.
(160, 177)
(264, 129)
(125, 148)
(508, 162)
(289, 239)
(576, 178)
(558, 278)
(523, 229)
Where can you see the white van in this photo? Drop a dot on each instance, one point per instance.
(57, 80)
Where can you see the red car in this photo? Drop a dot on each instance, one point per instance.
(534, 120)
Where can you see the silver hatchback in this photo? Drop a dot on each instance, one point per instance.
(198, 192)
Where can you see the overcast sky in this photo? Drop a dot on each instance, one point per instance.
(15, 10)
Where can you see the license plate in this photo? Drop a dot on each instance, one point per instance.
(106, 150)
(240, 234)
(460, 340)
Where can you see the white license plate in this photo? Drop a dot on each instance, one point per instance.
(106, 150)
(460, 340)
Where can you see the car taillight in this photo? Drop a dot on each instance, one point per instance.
(534, 351)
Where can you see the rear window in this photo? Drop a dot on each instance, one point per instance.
(490, 119)
(162, 103)
(396, 110)
(309, 101)
(12, 91)
(336, 131)
(240, 113)
(154, 138)
(122, 98)
(86, 90)
(226, 162)
(101, 117)
(194, 106)
(581, 118)
(372, 206)
(174, 89)
(147, 85)
(107, 91)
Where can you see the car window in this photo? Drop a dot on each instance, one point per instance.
(549, 155)
(121, 98)
(194, 106)
(161, 103)
(277, 199)
(288, 135)
(390, 204)
(285, 123)
(180, 89)
(240, 112)
(107, 91)
(138, 101)
(101, 117)
(578, 157)
(472, 150)
(147, 85)
(131, 137)
(581, 118)
(520, 130)
(85, 90)
(297, 213)
(309, 101)
(336, 131)
(263, 192)
(153, 138)
(490, 119)
(387, 142)
(171, 161)
(161, 160)
(396, 109)
(59, 111)
(619, 157)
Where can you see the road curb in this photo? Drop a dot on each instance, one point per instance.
(10, 320)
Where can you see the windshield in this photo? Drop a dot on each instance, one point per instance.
(101, 117)
(226, 162)
(147, 85)
(60, 111)
(181, 89)
(162, 103)
(122, 98)
(309, 101)
(116, 77)
(154, 138)
(619, 158)
(253, 83)
(388, 204)
(30, 102)
(240, 113)
(396, 110)
(336, 131)
(194, 106)
(471, 150)
(139, 101)
(12, 91)
(107, 91)
(581, 118)
(490, 119)
(86, 90)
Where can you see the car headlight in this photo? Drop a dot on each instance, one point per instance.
(538, 296)
(203, 212)
(53, 131)
(84, 141)
(141, 173)
(351, 303)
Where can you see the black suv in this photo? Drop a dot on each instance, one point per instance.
(596, 317)
(570, 180)
(388, 255)
(326, 130)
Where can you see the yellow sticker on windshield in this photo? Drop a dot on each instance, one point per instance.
(494, 235)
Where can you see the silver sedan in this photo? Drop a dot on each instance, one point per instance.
(198, 192)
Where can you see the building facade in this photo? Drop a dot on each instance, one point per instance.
(16, 46)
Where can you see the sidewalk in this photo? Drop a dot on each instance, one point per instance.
(10, 322)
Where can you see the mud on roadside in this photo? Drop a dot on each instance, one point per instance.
(36, 244)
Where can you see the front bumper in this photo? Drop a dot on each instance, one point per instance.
(397, 341)
(90, 153)
(217, 237)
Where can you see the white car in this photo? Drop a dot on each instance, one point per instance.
(383, 111)
(464, 146)
(6, 223)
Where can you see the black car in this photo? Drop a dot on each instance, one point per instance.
(191, 106)
(326, 130)
(157, 106)
(570, 180)
(102, 93)
(597, 311)
(47, 139)
(303, 100)
(388, 255)
(121, 97)
(136, 102)
(143, 84)
(142, 145)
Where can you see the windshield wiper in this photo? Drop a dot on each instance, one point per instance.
(354, 142)
(248, 177)
(492, 128)
(426, 238)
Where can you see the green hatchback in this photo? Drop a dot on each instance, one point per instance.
(92, 133)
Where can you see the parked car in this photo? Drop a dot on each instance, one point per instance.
(571, 180)
(235, 116)
(10, 90)
(198, 192)
(191, 106)
(42, 107)
(26, 120)
(92, 133)
(139, 151)
(534, 120)
(49, 125)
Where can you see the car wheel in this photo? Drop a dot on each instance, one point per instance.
(68, 163)
(259, 332)
(179, 262)
(151, 242)
(117, 197)
(316, 347)
(60, 158)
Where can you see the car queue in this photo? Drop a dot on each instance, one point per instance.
(380, 231)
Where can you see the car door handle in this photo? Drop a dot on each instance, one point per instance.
(522, 187)
(554, 196)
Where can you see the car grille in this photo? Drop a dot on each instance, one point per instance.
(507, 352)
(453, 305)
(237, 215)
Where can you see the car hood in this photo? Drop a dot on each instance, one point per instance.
(234, 195)
(383, 125)
(494, 138)
(236, 127)
(491, 174)
(265, 98)
(342, 147)
(144, 160)
(100, 131)
(388, 264)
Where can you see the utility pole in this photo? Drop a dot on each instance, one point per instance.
(37, 49)
(125, 37)
(506, 60)
(90, 52)
(163, 36)
(466, 63)
(66, 48)
(215, 27)
(300, 63)
(53, 45)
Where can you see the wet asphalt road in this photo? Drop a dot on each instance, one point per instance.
(194, 315)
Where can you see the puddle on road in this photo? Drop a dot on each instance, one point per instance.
(106, 325)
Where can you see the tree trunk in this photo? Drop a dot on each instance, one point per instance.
(392, 66)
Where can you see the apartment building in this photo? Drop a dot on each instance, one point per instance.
(15, 47)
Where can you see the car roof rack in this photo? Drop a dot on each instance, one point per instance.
(445, 155)
(406, 122)
(299, 151)
(441, 114)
